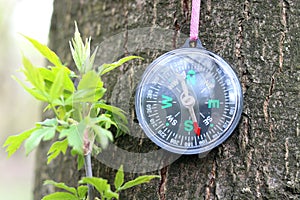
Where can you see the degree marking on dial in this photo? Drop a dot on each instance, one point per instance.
(154, 88)
(178, 90)
(159, 126)
(158, 84)
(197, 140)
(176, 136)
(220, 124)
(168, 136)
(214, 75)
(162, 78)
(149, 101)
(202, 115)
(219, 127)
(173, 134)
(152, 115)
(220, 78)
(228, 89)
(229, 117)
(208, 135)
(155, 96)
(222, 121)
(194, 139)
(177, 114)
(181, 141)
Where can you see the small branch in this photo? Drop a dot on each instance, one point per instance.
(54, 110)
(88, 162)
(89, 173)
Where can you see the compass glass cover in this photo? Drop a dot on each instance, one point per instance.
(189, 101)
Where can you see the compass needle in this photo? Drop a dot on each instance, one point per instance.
(188, 101)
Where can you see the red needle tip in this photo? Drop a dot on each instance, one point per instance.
(197, 129)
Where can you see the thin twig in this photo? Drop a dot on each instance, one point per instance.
(89, 173)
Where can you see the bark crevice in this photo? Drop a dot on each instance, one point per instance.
(162, 184)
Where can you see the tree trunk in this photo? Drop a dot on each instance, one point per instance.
(261, 160)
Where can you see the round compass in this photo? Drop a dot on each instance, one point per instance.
(189, 101)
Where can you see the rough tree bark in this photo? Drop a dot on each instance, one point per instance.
(261, 160)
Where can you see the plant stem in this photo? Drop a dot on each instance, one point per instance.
(54, 110)
(89, 173)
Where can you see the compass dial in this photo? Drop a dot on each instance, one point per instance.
(189, 101)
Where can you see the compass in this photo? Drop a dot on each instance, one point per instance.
(189, 100)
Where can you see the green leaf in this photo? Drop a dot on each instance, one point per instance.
(103, 136)
(80, 161)
(60, 196)
(96, 150)
(57, 148)
(101, 186)
(45, 51)
(111, 195)
(47, 74)
(33, 75)
(90, 80)
(57, 87)
(81, 52)
(34, 92)
(67, 131)
(82, 190)
(14, 142)
(108, 67)
(50, 74)
(87, 95)
(103, 119)
(139, 180)
(45, 133)
(116, 112)
(49, 122)
(89, 65)
(74, 135)
(49, 133)
(61, 186)
(122, 129)
(117, 115)
(119, 179)
(80, 158)
(69, 85)
(78, 50)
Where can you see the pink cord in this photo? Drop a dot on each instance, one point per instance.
(194, 28)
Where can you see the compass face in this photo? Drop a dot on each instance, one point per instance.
(189, 101)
